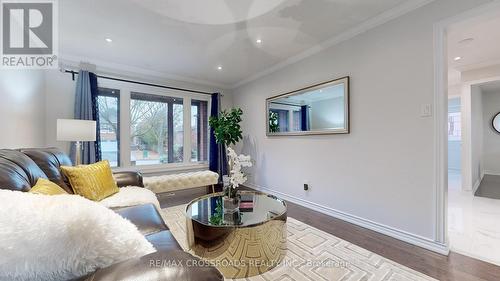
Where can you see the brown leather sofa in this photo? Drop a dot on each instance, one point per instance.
(20, 169)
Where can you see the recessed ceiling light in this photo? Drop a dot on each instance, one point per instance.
(219, 67)
(109, 40)
(457, 58)
(258, 41)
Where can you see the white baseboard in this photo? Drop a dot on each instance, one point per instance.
(384, 229)
(494, 173)
(476, 186)
(478, 182)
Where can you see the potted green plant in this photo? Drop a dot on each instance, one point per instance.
(226, 126)
(273, 122)
(227, 131)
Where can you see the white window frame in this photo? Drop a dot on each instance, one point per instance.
(126, 89)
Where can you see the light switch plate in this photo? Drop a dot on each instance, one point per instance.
(426, 110)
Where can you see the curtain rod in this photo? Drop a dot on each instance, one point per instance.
(73, 73)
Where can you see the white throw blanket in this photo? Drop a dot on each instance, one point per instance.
(131, 196)
(61, 237)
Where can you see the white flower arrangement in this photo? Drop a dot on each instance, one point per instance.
(236, 162)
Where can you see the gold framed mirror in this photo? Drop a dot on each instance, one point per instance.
(315, 110)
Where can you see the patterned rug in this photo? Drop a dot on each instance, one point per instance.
(314, 255)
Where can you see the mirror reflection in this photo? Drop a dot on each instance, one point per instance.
(320, 109)
(496, 122)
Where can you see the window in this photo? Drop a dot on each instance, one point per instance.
(282, 119)
(199, 131)
(297, 120)
(454, 126)
(454, 120)
(109, 121)
(156, 129)
(159, 128)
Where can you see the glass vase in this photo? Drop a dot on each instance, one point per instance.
(230, 200)
(230, 205)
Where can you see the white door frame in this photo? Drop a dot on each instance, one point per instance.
(468, 183)
(440, 117)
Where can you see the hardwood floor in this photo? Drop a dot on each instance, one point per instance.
(452, 267)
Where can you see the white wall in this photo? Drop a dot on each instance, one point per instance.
(383, 171)
(22, 108)
(476, 136)
(59, 100)
(227, 100)
(491, 139)
(327, 113)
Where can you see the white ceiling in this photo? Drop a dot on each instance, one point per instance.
(331, 92)
(191, 38)
(483, 50)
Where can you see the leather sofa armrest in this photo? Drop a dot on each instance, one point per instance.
(128, 179)
(158, 266)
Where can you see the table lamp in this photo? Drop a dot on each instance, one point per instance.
(77, 131)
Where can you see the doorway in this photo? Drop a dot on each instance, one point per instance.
(473, 97)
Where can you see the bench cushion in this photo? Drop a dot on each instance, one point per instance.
(168, 183)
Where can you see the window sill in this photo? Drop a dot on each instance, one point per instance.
(165, 168)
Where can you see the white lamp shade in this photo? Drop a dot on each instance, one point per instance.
(76, 130)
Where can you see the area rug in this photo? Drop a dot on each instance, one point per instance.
(315, 255)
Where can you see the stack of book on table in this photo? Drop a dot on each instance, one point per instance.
(246, 203)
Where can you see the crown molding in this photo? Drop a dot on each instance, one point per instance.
(378, 20)
(478, 65)
(133, 71)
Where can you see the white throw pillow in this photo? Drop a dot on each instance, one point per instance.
(61, 237)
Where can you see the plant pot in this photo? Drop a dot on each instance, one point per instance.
(229, 190)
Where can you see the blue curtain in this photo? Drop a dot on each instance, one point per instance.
(217, 160)
(94, 90)
(304, 110)
(86, 108)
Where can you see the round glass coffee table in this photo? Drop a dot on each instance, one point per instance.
(240, 244)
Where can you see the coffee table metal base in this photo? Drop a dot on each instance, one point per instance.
(240, 252)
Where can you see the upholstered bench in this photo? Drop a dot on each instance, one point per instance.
(174, 182)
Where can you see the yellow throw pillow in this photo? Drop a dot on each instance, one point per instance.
(46, 187)
(94, 181)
